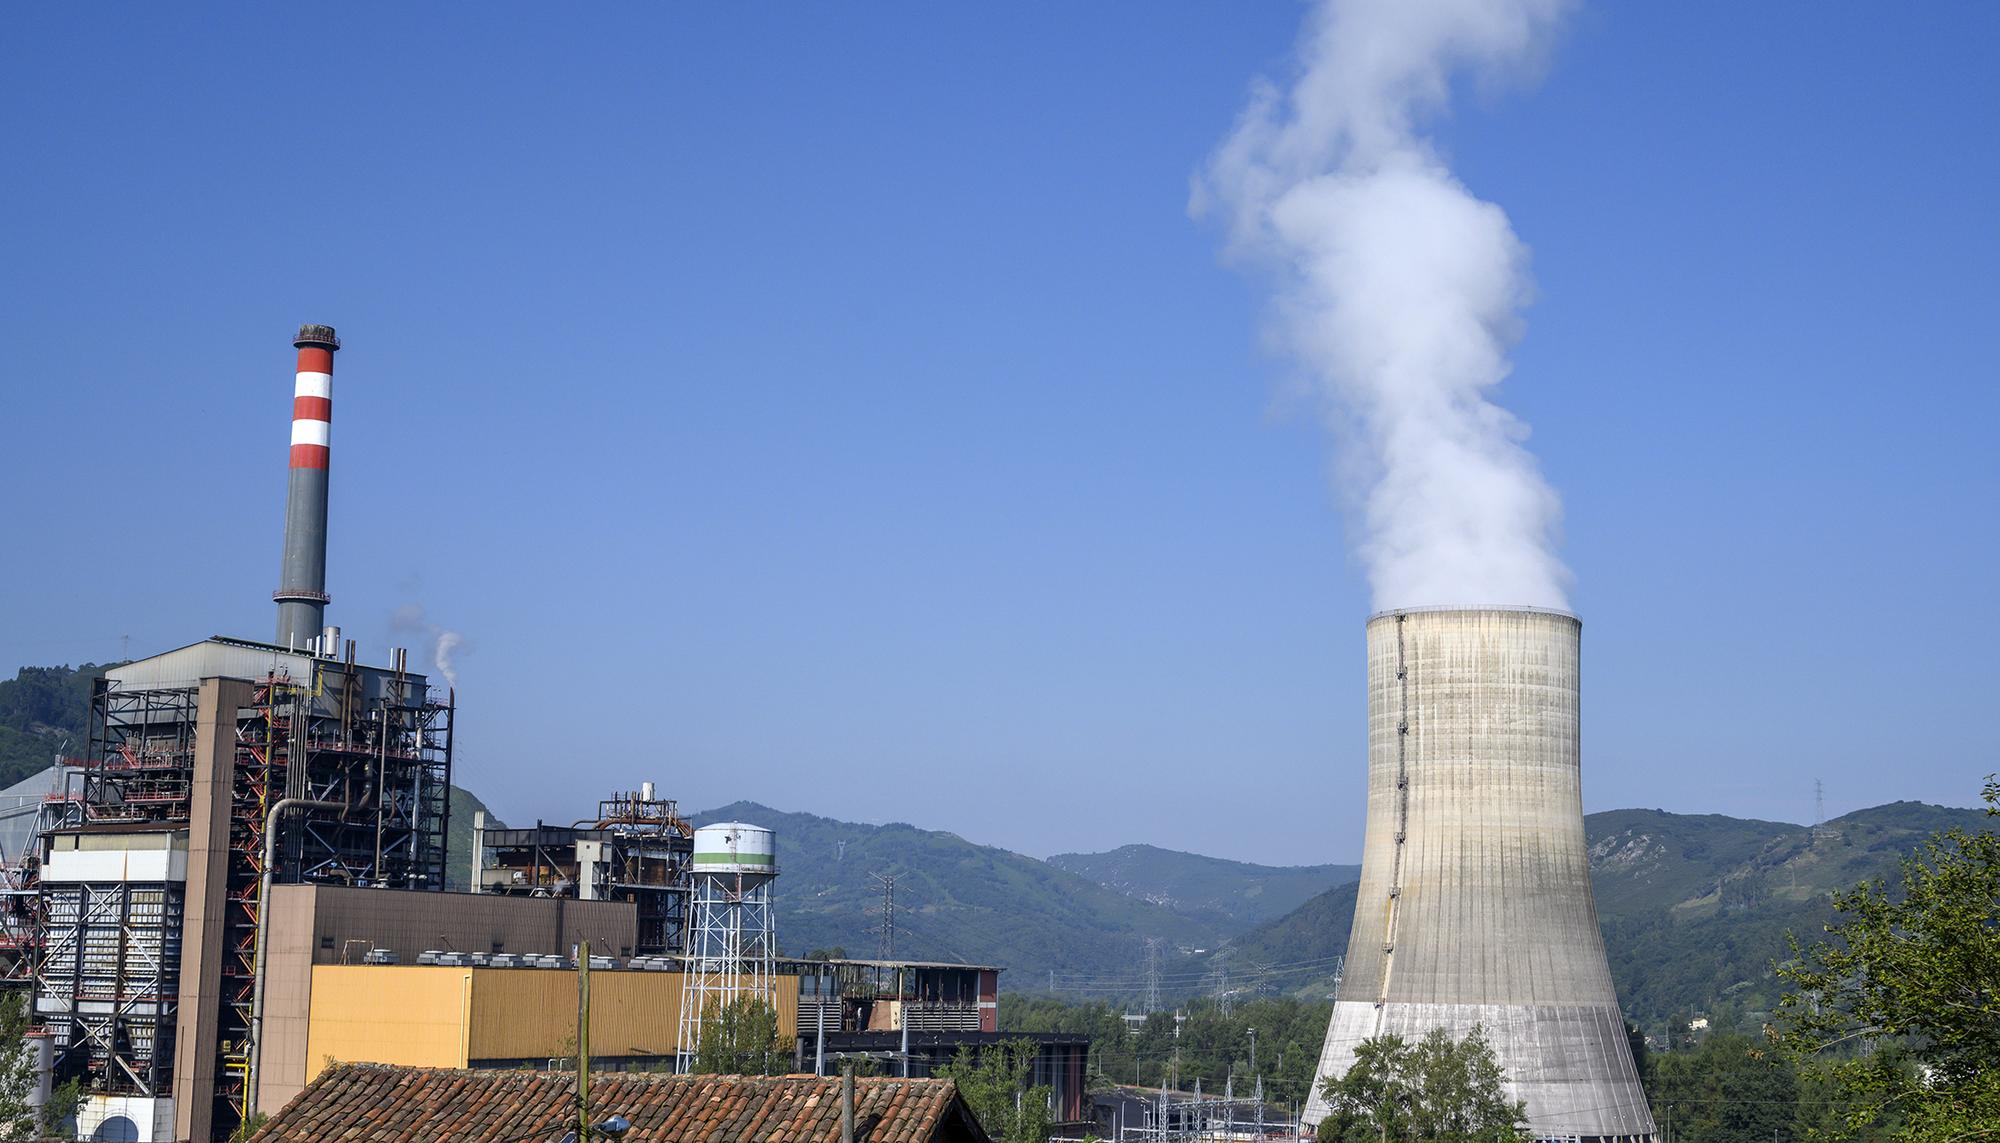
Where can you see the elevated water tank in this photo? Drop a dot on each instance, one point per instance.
(735, 847)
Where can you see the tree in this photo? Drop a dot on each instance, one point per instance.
(1642, 1055)
(996, 1084)
(17, 1070)
(1914, 969)
(741, 1038)
(1437, 1089)
(1730, 1089)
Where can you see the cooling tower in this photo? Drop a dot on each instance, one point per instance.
(1474, 905)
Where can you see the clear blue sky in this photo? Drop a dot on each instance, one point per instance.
(834, 405)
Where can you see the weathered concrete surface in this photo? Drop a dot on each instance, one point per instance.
(1475, 905)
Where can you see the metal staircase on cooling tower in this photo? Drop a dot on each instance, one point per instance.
(731, 944)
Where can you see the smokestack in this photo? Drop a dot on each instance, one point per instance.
(302, 597)
(1475, 905)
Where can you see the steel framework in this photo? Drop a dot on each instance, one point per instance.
(372, 740)
(637, 849)
(731, 951)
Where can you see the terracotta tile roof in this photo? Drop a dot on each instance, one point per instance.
(375, 1103)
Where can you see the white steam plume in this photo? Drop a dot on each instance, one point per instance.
(447, 642)
(410, 617)
(1399, 292)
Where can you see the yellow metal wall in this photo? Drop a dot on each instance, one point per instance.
(439, 1016)
(389, 1014)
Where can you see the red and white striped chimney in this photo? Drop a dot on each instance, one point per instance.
(302, 597)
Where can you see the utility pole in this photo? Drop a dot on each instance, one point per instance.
(583, 1040)
(886, 947)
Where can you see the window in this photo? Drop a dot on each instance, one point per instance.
(326, 943)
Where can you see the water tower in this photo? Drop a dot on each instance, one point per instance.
(731, 944)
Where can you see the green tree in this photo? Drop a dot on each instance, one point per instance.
(997, 1084)
(18, 1121)
(1438, 1089)
(1916, 968)
(1730, 1089)
(740, 1038)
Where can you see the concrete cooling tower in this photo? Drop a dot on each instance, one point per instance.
(1475, 903)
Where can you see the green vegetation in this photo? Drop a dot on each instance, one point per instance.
(464, 803)
(1728, 1087)
(17, 1080)
(1437, 1089)
(1696, 909)
(1911, 978)
(740, 1038)
(997, 1084)
(1235, 893)
(43, 711)
(955, 901)
(1207, 1043)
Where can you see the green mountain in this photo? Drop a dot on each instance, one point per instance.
(957, 901)
(1694, 907)
(1237, 894)
(458, 836)
(43, 711)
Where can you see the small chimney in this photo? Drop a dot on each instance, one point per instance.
(847, 1101)
(301, 594)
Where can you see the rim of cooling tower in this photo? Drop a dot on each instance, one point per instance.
(1474, 608)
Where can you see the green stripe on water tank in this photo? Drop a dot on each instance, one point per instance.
(733, 858)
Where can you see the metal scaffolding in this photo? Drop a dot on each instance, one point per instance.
(368, 739)
(638, 848)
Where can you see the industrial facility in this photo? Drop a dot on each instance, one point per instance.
(244, 875)
(1475, 905)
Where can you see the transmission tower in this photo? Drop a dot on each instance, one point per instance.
(1221, 976)
(1152, 995)
(1820, 830)
(885, 948)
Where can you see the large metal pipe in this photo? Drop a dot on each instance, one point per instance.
(1475, 905)
(264, 939)
(301, 595)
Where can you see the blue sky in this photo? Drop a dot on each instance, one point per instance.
(836, 406)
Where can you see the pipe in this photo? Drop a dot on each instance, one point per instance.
(301, 596)
(263, 940)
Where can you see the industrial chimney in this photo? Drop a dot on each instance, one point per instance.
(1475, 904)
(302, 597)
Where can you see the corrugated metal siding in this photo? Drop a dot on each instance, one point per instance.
(226, 659)
(388, 1014)
(443, 1016)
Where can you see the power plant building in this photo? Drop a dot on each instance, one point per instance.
(246, 870)
(1475, 905)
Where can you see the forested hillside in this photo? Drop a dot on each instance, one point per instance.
(1694, 907)
(958, 901)
(1236, 892)
(43, 711)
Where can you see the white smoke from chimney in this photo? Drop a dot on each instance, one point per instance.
(447, 642)
(1400, 292)
(410, 617)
